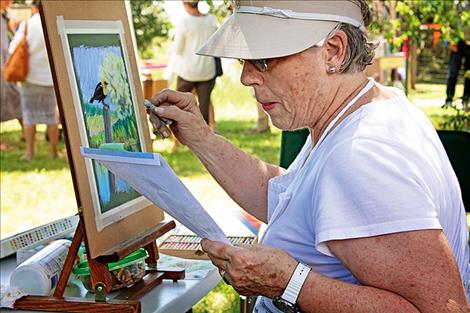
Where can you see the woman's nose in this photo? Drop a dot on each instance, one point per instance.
(250, 76)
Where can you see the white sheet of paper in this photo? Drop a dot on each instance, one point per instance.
(151, 176)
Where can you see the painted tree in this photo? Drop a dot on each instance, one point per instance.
(113, 72)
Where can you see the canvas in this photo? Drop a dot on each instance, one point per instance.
(107, 108)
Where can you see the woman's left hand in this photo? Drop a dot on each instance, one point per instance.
(252, 269)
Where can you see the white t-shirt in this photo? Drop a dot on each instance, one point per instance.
(382, 170)
(39, 71)
(191, 34)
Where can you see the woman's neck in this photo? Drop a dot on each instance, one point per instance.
(344, 93)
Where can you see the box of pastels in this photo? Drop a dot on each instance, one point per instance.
(189, 246)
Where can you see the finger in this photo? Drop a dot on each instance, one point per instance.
(216, 249)
(159, 126)
(227, 279)
(163, 130)
(169, 97)
(174, 113)
(220, 263)
(156, 122)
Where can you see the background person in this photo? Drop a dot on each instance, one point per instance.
(369, 217)
(194, 71)
(10, 107)
(459, 53)
(38, 102)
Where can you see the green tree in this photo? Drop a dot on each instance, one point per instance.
(398, 20)
(221, 11)
(151, 23)
(113, 72)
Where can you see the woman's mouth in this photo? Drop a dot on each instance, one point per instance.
(268, 105)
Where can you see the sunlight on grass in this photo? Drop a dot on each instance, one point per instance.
(32, 198)
(432, 91)
(222, 299)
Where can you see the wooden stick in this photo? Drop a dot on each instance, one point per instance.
(80, 305)
(138, 241)
(71, 255)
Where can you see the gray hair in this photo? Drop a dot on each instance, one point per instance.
(360, 52)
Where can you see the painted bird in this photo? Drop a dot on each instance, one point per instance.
(101, 91)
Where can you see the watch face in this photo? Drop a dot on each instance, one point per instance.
(284, 306)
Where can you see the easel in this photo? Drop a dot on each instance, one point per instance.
(126, 301)
(117, 245)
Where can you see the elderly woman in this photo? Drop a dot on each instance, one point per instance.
(369, 217)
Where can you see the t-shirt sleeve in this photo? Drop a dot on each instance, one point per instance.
(368, 188)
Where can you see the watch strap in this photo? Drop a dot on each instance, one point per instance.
(295, 283)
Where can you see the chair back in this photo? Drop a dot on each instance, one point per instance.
(456, 143)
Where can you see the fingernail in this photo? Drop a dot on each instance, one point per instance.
(165, 134)
(159, 110)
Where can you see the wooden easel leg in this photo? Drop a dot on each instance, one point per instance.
(99, 272)
(69, 260)
(152, 251)
(58, 303)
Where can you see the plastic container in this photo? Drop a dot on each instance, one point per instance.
(39, 274)
(124, 273)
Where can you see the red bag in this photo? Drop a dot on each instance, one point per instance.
(16, 67)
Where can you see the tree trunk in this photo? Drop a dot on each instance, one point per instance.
(108, 138)
(108, 135)
(413, 64)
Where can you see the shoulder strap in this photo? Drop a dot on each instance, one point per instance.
(25, 28)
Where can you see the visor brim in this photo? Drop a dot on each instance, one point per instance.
(252, 36)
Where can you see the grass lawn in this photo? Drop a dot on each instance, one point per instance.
(40, 191)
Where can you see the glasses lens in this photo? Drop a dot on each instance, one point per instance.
(261, 64)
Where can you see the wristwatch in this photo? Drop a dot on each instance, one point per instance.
(287, 301)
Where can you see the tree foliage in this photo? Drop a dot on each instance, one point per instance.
(151, 23)
(114, 73)
(398, 20)
(221, 11)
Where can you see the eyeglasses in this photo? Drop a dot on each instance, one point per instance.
(260, 64)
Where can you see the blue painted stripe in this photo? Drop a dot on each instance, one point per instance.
(127, 154)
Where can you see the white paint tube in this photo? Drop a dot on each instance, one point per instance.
(39, 274)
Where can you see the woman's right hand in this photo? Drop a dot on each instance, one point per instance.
(188, 124)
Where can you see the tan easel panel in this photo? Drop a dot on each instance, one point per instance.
(104, 241)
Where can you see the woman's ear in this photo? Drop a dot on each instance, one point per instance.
(336, 50)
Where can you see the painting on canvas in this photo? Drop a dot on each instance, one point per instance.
(106, 108)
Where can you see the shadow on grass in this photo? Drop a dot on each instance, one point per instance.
(10, 159)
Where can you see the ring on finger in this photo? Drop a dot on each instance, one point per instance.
(222, 274)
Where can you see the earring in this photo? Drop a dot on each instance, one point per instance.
(331, 70)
